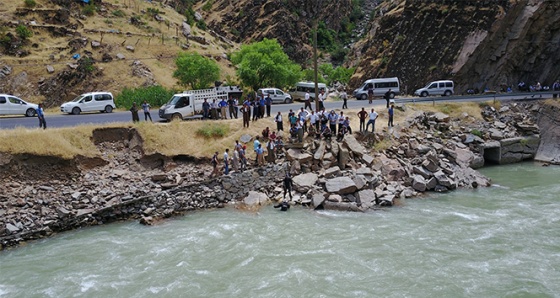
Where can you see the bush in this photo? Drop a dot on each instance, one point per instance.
(119, 13)
(477, 133)
(30, 3)
(208, 5)
(23, 32)
(89, 10)
(156, 96)
(213, 131)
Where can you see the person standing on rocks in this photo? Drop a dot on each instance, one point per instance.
(134, 111)
(372, 117)
(235, 160)
(260, 155)
(387, 97)
(226, 162)
(41, 116)
(391, 114)
(214, 162)
(146, 108)
(271, 157)
(288, 185)
(362, 115)
(256, 145)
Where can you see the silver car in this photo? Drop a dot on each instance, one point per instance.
(11, 105)
(277, 95)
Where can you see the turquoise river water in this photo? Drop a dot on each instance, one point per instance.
(501, 241)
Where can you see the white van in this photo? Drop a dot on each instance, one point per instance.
(90, 102)
(380, 87)
(304, 87)
(443, 88)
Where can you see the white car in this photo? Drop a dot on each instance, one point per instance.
(11, 105)
(90, 102)
(277, 95)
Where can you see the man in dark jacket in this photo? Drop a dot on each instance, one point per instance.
(288, 185)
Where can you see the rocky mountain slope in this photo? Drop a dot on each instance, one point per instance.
(478, 44)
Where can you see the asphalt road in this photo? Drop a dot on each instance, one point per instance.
(62, 120)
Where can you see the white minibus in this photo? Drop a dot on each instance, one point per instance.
(380, 87)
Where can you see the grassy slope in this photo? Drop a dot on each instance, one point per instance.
(117, 73)
(180, 137)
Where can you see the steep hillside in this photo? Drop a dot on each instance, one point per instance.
(121, 44)
(478, 44)
(289, 21)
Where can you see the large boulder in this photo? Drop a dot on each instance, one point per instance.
(367, 198)
(255, 198)
(356, 147)
(343, 157)
(304, 182)
(320, 151)
(318, 199)
(297, 154)
(341, 185)
(419, 183)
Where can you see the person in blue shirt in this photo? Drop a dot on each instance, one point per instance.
(391, 113)
(41, 116)
(262, 103)
(223, 107)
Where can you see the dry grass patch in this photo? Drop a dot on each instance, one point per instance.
(62, 142)
(454, 110)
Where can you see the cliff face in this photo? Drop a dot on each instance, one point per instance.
(549, 148)
(289, 21)
(478, 44)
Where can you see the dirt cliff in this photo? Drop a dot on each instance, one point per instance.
(478, 44)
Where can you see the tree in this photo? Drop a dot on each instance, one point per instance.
(340, 74)
(264, 64)
(23, 32)
(196, 71)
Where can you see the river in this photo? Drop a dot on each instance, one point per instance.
(501, 241)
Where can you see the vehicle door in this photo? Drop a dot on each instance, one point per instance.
(4, 106)
(434, 89)
(97, 102)
(280, 96)
(86, 103)
(16, 106)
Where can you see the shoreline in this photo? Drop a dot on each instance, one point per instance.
(427, 152)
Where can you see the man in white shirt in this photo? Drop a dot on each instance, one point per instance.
(314, 120)
(372, 116)
(322, 97)
(279, 123)
(307, 101)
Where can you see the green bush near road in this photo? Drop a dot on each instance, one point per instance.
(156, 96)
(213, 131)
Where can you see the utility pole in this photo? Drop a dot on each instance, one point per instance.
(315, 70)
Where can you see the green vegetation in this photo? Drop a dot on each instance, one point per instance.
(477, 133)
(208, 5)
(30, 3)
(264, 63)
(195, 71)
(156, 96)
(119, 13)
(23, 32)
(331, 74)
(215, 130)
(89, 9)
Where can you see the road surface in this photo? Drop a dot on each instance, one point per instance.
(63, 120)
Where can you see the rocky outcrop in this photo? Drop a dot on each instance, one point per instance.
(479, 44)
(549, 125)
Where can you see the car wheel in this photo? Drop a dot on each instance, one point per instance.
(176, 117)
(447, 93)
(424, 94)
(363, 97)
(391, 95)
(30, 113)
(76, 111)
(108, 109)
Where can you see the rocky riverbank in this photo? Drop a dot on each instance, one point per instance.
(427, 152)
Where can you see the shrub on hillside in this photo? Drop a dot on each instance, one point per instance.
(30, 3)
(23, 32)
(156, 96)
(216, 130)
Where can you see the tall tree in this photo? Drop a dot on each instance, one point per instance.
(195, 71)
(265, 64)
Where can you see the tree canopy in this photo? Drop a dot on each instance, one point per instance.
(195, 71)
(264, 64)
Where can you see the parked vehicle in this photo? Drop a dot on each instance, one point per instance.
(188, 105)
(380, 87)
(443, 88)
(11, 105)
(277, 95)
(90, 102)
(304, 87)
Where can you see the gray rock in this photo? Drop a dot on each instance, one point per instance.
(304, 182)
(441, 117)
(255, 198)
(366, 198)
(343, 157)
(421, 171)
(500, 125)
(419, 183)
(76, 195)
(340, 185)
(364, 171)
(120, 56)
(431, 184)
(62, 212)
(318, 199)
(46, 188)
(334, 198)
(341, 206)
(360, 181)
(130, 48)
(320, 151)
(332, 172)
(50, 69)
(245, 138)
(95, 44)
(186, 29)
(11, 228)
(297, 154)
(430, 165)
(367, 159)
(353, 145)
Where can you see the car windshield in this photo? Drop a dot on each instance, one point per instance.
(174, 100)
(78, 98)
